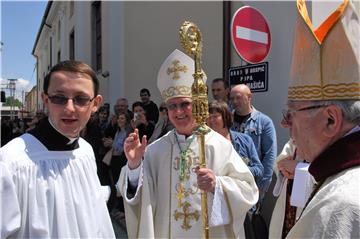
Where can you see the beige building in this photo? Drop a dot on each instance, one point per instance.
(126, 43)
(30, 101)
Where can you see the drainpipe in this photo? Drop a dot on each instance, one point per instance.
(226, 38)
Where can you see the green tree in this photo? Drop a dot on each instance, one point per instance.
(10, 101)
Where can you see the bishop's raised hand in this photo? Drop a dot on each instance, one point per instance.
(134, 149)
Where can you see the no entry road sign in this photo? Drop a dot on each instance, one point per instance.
(250, 34)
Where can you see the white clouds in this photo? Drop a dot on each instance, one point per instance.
(21, 85)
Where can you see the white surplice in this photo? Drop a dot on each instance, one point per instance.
(155, 210)
(50, 194)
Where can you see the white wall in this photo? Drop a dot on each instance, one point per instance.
(280, 16)
(151, 34)
(113, 50)
(82, 26)
(138, 36)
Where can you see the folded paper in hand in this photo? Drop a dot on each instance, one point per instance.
(303, 185)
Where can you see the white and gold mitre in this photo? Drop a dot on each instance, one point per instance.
(175, 76)
(326, 61)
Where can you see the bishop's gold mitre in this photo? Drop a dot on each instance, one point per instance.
(326, 61)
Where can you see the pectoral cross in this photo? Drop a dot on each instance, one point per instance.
(186, 216)
(176, 69)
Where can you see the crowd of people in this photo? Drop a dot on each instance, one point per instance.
(12, 128)
(73, 171)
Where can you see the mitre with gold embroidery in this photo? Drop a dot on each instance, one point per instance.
(326, 61)
(175, 76)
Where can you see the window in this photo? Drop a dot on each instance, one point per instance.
(50, 51)
(59, 30)
(58, 56)
(96, 20)
(72, 45)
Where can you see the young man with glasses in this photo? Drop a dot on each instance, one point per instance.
(49, 182)
(323, 118)
(162, 186)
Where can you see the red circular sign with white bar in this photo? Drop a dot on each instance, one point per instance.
(250, 34)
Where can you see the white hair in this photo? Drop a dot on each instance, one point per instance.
(350, 108)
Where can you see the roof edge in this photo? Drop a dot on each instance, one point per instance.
(43, 22)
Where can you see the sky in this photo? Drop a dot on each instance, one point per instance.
(20, 23)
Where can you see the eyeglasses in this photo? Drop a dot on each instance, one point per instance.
(183, 105)
(77, 100)
(287, 114)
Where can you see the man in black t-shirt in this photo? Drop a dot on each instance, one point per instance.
(152, 111)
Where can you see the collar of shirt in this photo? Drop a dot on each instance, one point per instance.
(71, 140)
(52, 139)
(343, 154)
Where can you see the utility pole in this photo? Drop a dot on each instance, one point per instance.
(12, 88)
(23, 103)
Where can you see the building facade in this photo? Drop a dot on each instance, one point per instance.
(126, 43)
(31, 101)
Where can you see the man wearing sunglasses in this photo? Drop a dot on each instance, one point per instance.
(323, 117)
(48, 177)
(162, 192)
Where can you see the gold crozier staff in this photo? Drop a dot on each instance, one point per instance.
(190, 39)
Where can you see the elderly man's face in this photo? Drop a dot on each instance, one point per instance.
(305, 122)
(180, 114)
(120, 107)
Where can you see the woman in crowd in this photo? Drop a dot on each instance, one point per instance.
(163, 125)
(220, 120)
(140, 121)
(118, 159)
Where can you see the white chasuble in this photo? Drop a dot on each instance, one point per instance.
(169, 206)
